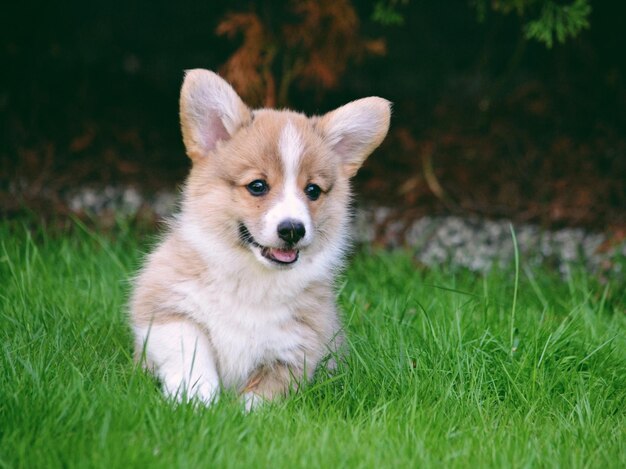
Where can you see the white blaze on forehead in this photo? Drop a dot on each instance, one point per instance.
(291, 148)
(291, 204)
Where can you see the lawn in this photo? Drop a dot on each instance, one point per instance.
(517, 368)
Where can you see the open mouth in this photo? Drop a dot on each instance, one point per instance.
(282, 256)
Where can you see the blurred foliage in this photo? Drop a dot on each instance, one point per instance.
(485, 120)
(559, 21)
(388, 12)
(310, 43)
(305, 42)
(545, 20)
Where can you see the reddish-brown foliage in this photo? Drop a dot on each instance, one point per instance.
(308, 43)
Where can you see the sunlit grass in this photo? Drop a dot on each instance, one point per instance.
(444, 370)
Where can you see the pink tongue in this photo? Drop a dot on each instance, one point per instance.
(284, 255)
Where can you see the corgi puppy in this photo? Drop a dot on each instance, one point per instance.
(240, 292)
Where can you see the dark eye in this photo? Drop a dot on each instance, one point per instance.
(258, 187)
(312, 191)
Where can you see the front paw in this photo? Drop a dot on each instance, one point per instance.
(252, 401)
(268, 383)
(204, 393)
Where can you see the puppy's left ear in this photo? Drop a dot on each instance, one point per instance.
(356, 129)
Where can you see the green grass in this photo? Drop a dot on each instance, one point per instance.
(447, 368)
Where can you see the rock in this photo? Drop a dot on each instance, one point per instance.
(469, 242)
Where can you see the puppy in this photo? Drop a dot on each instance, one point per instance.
(240, 292)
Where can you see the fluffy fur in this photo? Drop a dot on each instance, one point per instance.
(226, 300)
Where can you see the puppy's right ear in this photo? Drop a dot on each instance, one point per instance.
(210, 111)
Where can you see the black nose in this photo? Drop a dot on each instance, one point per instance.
(291, 231)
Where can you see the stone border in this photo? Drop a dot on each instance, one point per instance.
(473, 243)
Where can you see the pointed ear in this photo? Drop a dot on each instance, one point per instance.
(210, 111)
(356, 129)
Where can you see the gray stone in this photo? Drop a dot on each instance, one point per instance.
(469, 242)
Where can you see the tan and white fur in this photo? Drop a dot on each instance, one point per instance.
(240, 292)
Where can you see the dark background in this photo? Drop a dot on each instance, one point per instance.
(485, 122)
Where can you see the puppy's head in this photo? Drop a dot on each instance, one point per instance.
(272, 184)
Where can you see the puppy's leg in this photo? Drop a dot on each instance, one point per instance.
(181, 356)
(269, 382)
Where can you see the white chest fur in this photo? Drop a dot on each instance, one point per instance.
(244, 334)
